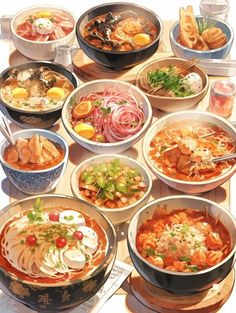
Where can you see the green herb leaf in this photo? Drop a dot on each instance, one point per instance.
(149, 252)
(105, 111)
(193, 268)
(185, 258)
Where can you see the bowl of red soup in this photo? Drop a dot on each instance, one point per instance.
(182, 149)
(56, 248)
(116, 184)
(38, 30)
(36, 162)
(106, 116)
(119, 35)
(182, 244)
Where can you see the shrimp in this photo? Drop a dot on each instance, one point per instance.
(171, 268)
(49, 147)
(213, 241)
(180, 265)
(187, 145)
(204, 227)
(156, 260)
(36, 148)
(213, 257)
(198, 258)
(201, 154)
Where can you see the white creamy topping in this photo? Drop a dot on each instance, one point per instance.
(74, 258)
(43, 26)
(71, 217)
(90, 238)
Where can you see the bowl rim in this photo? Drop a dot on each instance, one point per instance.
(127, 4)
(74, 281)
(73, 134)
(57, 108)
(178, 181)
(13, 30)
(200, 52)
(137, 164)
(204, 89)
(173, 197)
(34, 131)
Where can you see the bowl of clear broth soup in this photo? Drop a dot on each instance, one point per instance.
(182, 149)
(119, 35)
(38, 30)
(32, 94)
(182, 244)
(36, 162)
(55, 248)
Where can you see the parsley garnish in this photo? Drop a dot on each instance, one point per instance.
(36, 214)
(105, 111)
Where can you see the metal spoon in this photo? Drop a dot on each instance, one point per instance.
(224, 158)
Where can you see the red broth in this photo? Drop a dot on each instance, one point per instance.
(173, 150)
(24, 162)
(123, 31)
(183, 240)
(97, 258)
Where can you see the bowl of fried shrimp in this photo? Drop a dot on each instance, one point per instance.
(200, 36)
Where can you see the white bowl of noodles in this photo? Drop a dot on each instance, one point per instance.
(179, 147)
(114, 115)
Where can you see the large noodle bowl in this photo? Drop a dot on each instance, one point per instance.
(185, 150)
(48, 245)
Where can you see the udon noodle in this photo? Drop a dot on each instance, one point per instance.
(185, 149)
(52, 244)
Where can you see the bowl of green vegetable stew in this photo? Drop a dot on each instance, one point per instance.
(116, 184)
(171, 89)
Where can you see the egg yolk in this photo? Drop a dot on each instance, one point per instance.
(141, 39)
(20, 93)
(56, 93)
(44, 14)
(132, 27)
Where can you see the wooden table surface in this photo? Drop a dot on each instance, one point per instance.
(78, 154)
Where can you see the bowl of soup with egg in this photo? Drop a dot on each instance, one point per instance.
(182, 244)
(33, 93)
(55, 251)
(36, 162)
(119, 35)
(38, 30)
(182, 150)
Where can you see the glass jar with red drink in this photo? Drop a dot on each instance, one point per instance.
(222, 97)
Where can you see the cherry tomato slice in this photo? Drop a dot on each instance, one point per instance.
(54, 216)
(31, 240)
(82, 109)
(78, 235)
(61, 242)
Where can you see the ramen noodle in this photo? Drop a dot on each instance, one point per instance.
(184, 150)
(35, 89)
(183, 240)
(51, 244)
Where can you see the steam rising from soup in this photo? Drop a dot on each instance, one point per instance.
(123, 31)
(35, 89)
(185, 149)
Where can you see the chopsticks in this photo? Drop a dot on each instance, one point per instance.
(186, 65)
(6, 130)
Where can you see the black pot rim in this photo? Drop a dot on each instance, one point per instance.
(118, 53)
(10, 108)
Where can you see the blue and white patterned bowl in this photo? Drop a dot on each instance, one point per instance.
(187, 53)
(37, 181)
